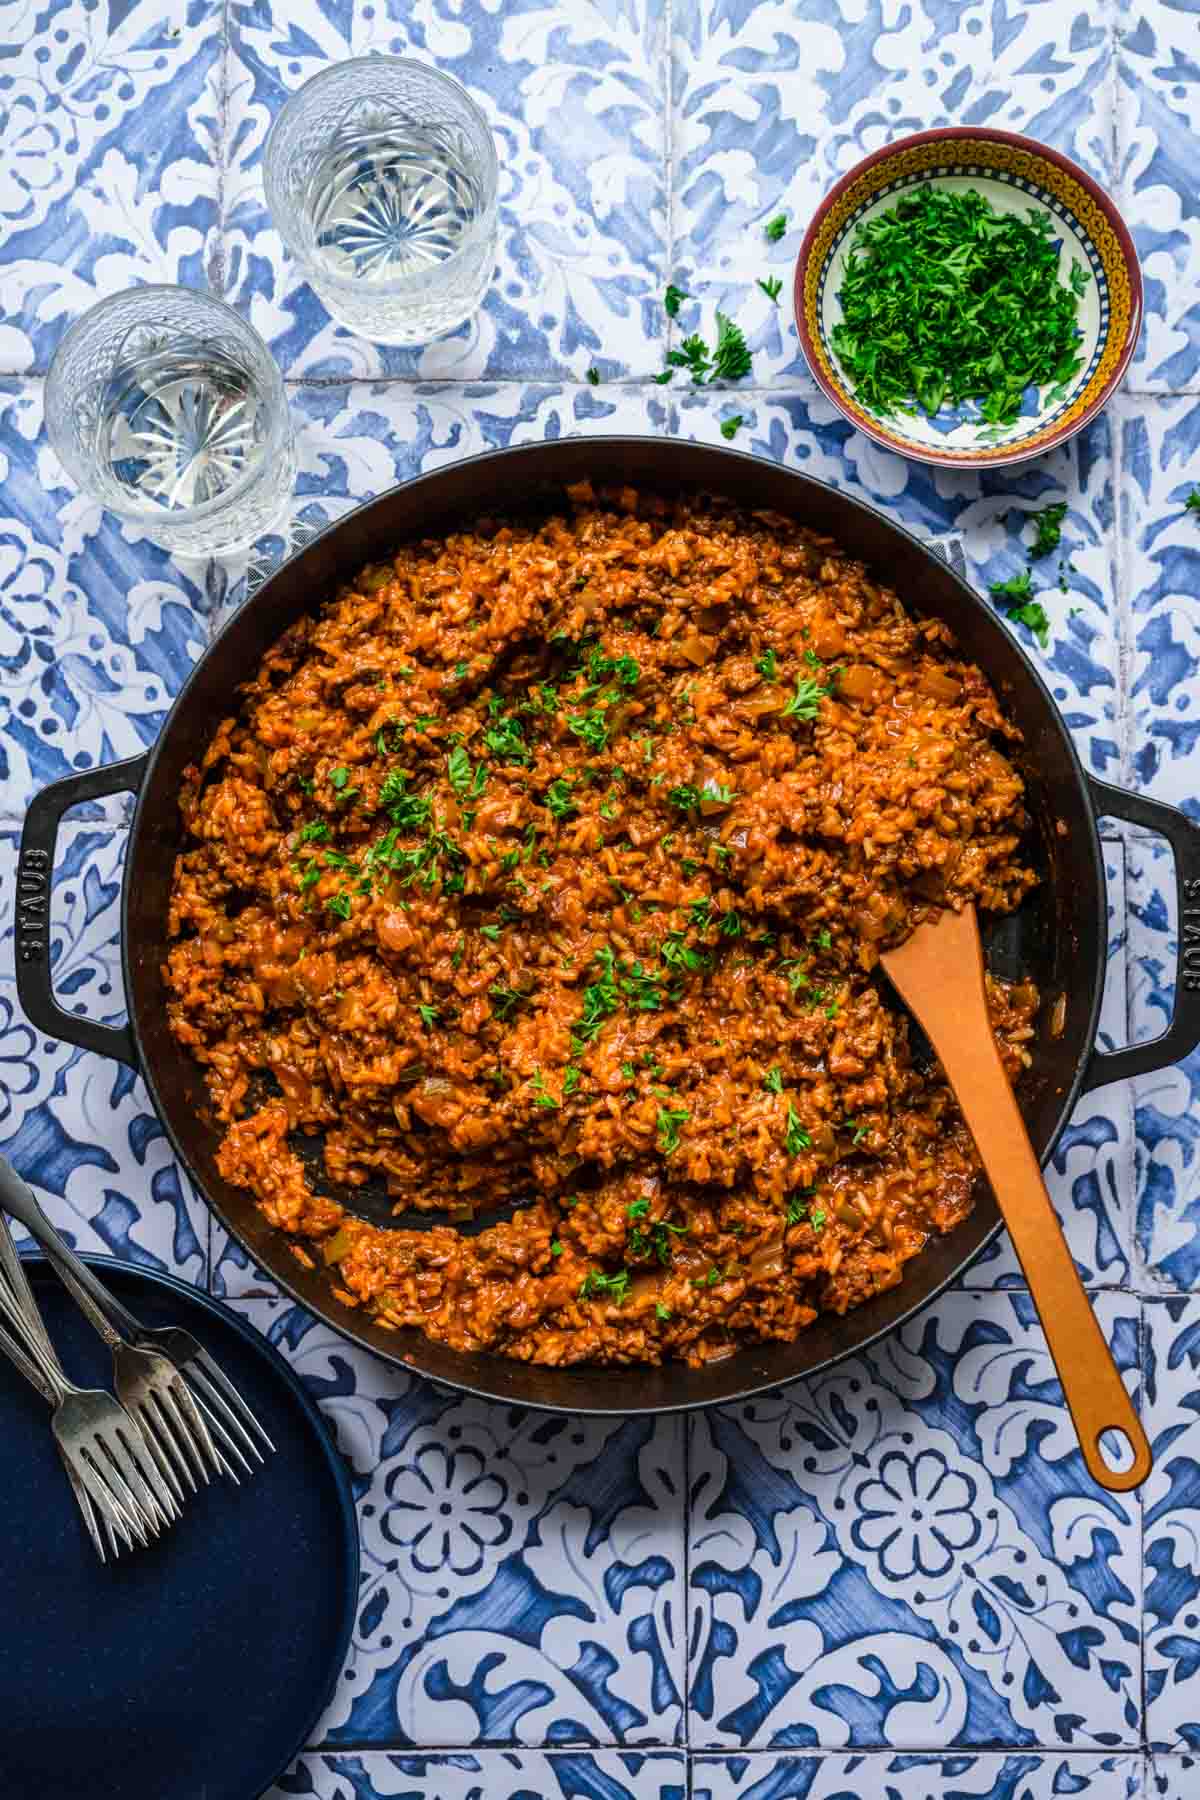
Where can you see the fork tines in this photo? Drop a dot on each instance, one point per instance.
(225, 1408)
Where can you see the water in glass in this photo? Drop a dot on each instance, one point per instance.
(381, 178)
(393, 201)
(167, 407)
(179, 425)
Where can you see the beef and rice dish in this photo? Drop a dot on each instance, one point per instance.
(544, 871)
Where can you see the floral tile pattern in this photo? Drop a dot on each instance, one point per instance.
(895, 1582)
(1172, 1555)
(521, 1573)
(498, 1775)
(1172, 1777)
(79, 1128)
(908, 1549)
(1160, 440)
(916, 1777)
(1159, 66)
(110, 171)
(772, 103)
(97, 630)
(577, 105)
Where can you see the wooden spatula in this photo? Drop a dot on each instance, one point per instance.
(938, 973)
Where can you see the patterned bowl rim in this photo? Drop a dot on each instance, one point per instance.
(986, 456)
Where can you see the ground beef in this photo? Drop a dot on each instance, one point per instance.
(547, 867)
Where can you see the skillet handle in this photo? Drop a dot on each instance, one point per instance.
(1183, 1033)
(35, 873)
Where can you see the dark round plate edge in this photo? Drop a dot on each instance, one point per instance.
(332, 1456)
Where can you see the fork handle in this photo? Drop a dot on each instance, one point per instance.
(85, 1288)
(12, 1266)
(20, 1351)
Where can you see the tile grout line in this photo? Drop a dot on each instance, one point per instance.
(1118, 562)
(685, 1697)
(215, 265)
(552, 378)
(672, 403)
(1143, 1345)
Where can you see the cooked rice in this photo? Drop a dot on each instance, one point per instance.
(549, 866)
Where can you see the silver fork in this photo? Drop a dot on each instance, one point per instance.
(36, 1341)
(164, 1375)
(118, 1526)
(95, 1436)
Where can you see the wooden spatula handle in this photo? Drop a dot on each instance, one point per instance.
(966, 1048)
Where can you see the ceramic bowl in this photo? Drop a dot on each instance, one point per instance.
(1013, 173)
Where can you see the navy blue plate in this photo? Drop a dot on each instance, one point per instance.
(198, 1667)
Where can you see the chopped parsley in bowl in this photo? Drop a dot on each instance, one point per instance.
(968, 297)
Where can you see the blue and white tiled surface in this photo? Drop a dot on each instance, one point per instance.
(894, 1582)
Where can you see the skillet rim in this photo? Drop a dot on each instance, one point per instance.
(499, 1379)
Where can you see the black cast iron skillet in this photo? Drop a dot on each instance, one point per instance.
(1059, 936)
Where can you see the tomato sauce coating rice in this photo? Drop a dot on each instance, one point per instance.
(547, 868)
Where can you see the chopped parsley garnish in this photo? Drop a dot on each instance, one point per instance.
(505, 738)
(731, 426)
(467, 782)
(798, 1206)
(596, 1284)
(315, 830)
(622, 668)
(766, 665)
(505, 1000)
(1048, 524)
(339, 904)
(824, 938)
(805, 703)
(556, 1248)
(338, 778)
(677, 953)
(668, 1122)
(558, 799)
(731, 359)
(643, 990)
(408, 812)
(774, 228)
(543, 1096)
(661, 1311)
(1019, 588)
(944, 299)
(772, 287)
(1033, 614)
(593, 376)
(728, 360)
(600, 1000)
(773, 1081)
(673, 299)
(796, 1138)
(590, 727)
(653, 1240)
(571, 1078)
(685, 796)
(490, 931)
(429, 1016)
(1192, 503)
